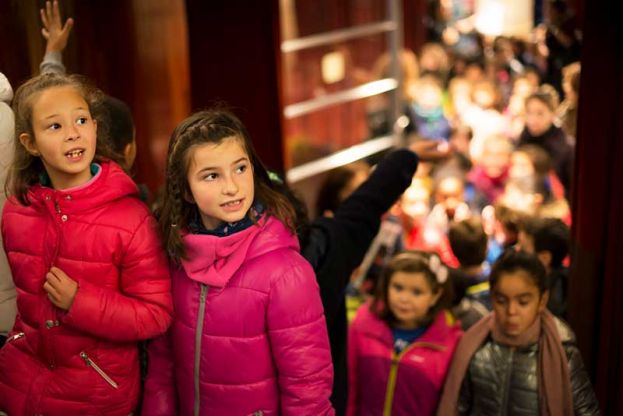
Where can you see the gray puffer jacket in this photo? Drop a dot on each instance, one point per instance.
(503, 381)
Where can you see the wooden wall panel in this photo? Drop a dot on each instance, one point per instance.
(135, 51)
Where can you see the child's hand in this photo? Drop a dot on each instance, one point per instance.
(53, 29)
(429, 150)
(61, 288)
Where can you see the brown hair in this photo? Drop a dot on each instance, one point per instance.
(26, 168)
(571, 74)
(547, 95)
(468, 241)
(210, 126)
(540, 159)
(412, 261)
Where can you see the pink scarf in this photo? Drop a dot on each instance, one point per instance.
(554, 381)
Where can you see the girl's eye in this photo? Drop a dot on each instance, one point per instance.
(54, 126)
(500, 301)
(210, 177)
(81, 121)
(397, 288)
(241, 168)
(417, 292)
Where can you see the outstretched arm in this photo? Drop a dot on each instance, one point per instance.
(56, 35)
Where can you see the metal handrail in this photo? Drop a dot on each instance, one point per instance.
(335, 36)
(341, 158)
(362, 91)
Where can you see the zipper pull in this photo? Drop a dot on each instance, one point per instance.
(97, 368)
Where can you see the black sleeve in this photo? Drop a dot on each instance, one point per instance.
(337, 245)
(358, 218)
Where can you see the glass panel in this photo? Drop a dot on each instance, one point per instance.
(302, 18)
(323, 70)
(323, 132)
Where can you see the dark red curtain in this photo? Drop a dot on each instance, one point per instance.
(596, 289)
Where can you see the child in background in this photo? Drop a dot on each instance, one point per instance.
(548, 239)
(531, 160)
(401, 343)
(338, 186)
(489, 174)
(250, 336)
(567, 112)
(7, 134)
(426, 110)
(471, 279)
(519, 359)
(515, 111)
(91, 275)
(541, 131)
(483, 117)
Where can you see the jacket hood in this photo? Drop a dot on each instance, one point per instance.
(108, 185)
(213, 260)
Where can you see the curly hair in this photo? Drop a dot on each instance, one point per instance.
(26, 168)
(209, 126)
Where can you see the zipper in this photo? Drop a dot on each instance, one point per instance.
(509, 372)
(15, 337)
(200, 320)
(97, 368)
(393, 372)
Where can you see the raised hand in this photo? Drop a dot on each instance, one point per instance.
(53, 29)
(61, 288)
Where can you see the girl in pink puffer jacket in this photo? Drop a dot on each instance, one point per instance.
(401, 344)
(249, 337)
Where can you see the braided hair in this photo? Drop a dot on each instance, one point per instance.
(178, 209)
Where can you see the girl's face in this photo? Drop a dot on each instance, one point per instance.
(521, 165)
(64, 136)
(220, 177)
(495, 159)
(409, 297)
(539, 118)
(484, 98)
(415, 202)
(517, 302)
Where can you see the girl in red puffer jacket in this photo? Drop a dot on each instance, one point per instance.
(249, 336)
(90, 273)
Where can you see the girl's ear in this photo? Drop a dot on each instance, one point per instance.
(188, 197)
(29, 144)
(435, 298)
(544, 300)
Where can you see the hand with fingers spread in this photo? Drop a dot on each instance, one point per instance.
(61, 288)
(53, 30)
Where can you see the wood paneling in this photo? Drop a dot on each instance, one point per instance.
(135, 51)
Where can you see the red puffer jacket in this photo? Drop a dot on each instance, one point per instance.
(85, 361)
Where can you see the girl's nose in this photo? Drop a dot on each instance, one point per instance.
(72, 133)
(230, 187)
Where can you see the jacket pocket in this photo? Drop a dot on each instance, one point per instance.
(15, 337)
(89, 362)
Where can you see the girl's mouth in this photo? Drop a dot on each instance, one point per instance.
(75, 155)
(232, 205)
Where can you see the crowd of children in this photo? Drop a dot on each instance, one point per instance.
(457, 246)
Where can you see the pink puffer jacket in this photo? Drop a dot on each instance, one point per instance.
(85, 361)
(249, 337)
(383, 382)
